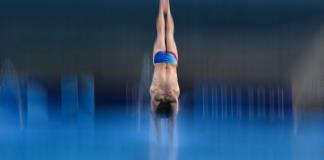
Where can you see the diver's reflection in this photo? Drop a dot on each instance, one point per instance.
(164, 135)
(167, 112)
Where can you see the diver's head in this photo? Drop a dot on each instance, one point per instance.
(165, 105)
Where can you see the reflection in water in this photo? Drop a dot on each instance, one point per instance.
(77, 95)
(87, 94)
(70, 95)
(37, 107)
(228, 122)
(10, 94)
(116, 137)
(163, 147)
(78, 103)
(237, 102)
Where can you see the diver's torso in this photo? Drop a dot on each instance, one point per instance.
(165, 80)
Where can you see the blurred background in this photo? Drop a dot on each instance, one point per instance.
(78, 62)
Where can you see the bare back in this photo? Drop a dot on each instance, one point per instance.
(164, 87)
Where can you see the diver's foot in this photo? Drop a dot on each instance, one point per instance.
(164, 5)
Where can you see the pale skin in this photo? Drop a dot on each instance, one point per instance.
(164, 89)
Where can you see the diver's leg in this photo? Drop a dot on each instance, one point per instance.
(160, 29)
(170, 42)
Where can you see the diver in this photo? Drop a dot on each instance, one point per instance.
(164, 88)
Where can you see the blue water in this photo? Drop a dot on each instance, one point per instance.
(116, 134)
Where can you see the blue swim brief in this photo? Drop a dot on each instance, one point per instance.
(165, 57)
